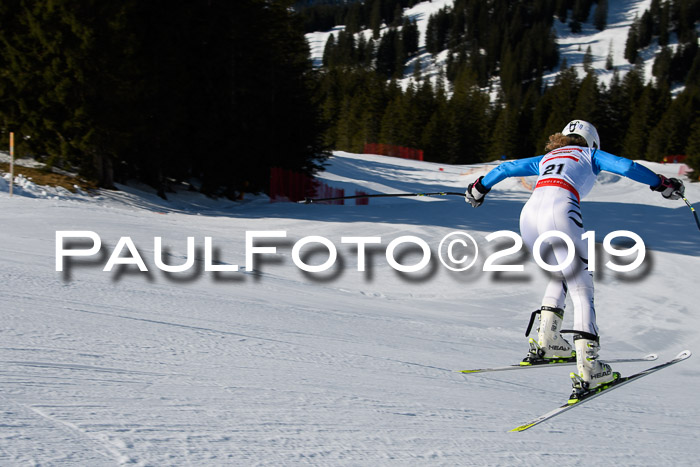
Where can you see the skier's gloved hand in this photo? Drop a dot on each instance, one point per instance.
(475, 193)
(670, 188)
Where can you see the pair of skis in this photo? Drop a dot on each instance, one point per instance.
(591, 394)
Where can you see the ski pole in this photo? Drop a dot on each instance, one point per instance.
(697, 221)
(381, 195)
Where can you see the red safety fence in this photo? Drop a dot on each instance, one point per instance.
(288, 185)
(393, 151)
(674, 159)
(683, 168)
(361, 201)
(325, 191)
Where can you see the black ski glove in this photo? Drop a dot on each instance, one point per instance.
(476, 192)
(670, 188)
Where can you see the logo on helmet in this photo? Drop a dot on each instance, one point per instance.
(573, 125)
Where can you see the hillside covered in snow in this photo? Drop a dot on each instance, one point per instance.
(607, 46)
(104, 363)
(467, 81)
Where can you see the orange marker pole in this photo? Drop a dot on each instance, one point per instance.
(12, 161)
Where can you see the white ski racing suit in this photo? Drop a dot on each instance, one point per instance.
(565, 176)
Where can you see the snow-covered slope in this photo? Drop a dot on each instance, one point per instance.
(282, 367)
(611, 40)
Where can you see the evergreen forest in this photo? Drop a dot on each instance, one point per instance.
(216, 93)
(161, 92)
(490, 100)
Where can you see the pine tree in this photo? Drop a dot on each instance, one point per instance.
(655, 12)
(564, 92)
(365, 51)
(661, 69)
(353, 20)
(393, 123)
(395, 19)
(588, 60)
(387, 57)
(646, 29)
(413, 120)
(692, 79)
(686, 14)
(376, 102)
(562, 10)
(636, 138)
(351, 130)
(575, 26)
(581, 10)
(375, 22)
(409, 37)
(588, 99)
(504, 141)
(600, 18)
(437, 32)
(664, 24)
(510, 77)
(469, 118)
(683, 60)
(609, 59)
(432, 44)
(539, 116)
(329, 52)
(633, 84)
(437, 136)
(671, 135)
(632, 43)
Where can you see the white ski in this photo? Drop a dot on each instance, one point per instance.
(558, 362)
(604, 390)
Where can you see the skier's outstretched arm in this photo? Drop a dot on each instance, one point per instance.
(670, 188)
(518, 168)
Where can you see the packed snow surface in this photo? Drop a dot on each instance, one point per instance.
(278, 366)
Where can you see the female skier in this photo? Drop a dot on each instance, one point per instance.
(565, 175)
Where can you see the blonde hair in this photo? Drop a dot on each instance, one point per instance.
(558, 140)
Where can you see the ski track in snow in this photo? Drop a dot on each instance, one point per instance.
(280, 367)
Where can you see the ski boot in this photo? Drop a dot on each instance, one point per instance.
(592, 373)
(550, 346)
